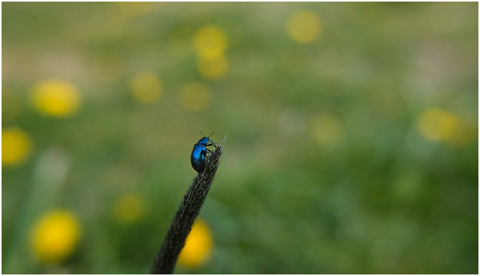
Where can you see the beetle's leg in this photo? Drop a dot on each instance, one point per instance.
(211, 144)
(208, 156)
(207, 160)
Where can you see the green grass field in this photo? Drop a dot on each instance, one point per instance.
(352, 140)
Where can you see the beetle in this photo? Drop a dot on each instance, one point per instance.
(200, 151)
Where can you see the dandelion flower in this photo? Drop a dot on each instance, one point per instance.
(436, 124)
(146, 87)
(55, 236)
(16, 146)
(304, 26)
(210, 41)
(55, 98)
(198, 246)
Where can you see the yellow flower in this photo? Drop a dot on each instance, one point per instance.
(210, 42)
(55, 98)
(146, 87)
(213, 68)
(55, 236)
(327, 129)
(16, 146)
(198, 246)
(436, 124)
(439, 125)
(128, 208)
(304, 26)
(196, 96)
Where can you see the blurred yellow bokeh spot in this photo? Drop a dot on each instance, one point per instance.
(304, 26)
(135, 9)
(327, 130)
(213, 68)
(55, 236)
(440, 125)
(55, 98)
(146, 87)
(436, 124)
(210, 42)
(198, 246)
(16, 146)
(196, 96)
(128, 208)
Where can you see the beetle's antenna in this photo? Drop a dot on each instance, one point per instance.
(187, 213)
(211, 134)
(202, 132)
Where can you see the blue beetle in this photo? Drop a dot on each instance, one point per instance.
(200, 151)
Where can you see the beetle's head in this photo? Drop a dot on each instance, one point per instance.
(204, 141)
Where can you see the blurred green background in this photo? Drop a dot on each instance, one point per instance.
(352, 135)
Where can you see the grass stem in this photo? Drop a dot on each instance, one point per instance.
(186, 215)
